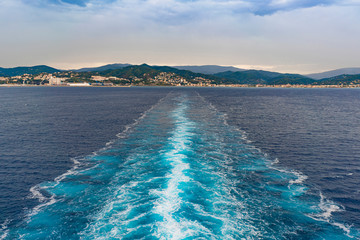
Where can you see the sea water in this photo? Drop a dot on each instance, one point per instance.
(180, 171)
(312, 131)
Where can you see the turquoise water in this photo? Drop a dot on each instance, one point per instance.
(180, 172)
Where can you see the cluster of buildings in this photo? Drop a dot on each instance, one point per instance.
(165, 78)
(169, 79)
(57, 79)
(78, 79)
(23, 79)
(103, 79)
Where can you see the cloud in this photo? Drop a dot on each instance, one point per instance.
(289, 35)
(266, 8)
(193, 7)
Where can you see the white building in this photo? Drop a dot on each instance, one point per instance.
(79, 84)
(56, 81)
(98, 78)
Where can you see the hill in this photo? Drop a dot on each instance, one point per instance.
(145, 73)
(103, 68)
(340, 80)
(125, 74)
(189, 75)
(138, 71)
(209, 69)
(264, 77)
(292, 79)
(17, 71)
(334, 73)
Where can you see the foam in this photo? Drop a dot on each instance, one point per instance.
(4, 234)
(169, 201)
(224, 211)
(37, 209)
(131, 126)
(300, 178)
(36, 194)
(327, 207)
(276, 161)
(35, 191)
(124, 195)
(4, 231)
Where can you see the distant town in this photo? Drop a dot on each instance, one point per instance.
(79, 80)
(145, 75)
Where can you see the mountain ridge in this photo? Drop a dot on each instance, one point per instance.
(112, 66)
(334, 73)
(264, 77)
(208, 69)
(146, 74)
(10, 72)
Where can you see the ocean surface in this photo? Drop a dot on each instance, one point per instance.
(179, 163)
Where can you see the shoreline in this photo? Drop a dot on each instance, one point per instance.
(209, 86)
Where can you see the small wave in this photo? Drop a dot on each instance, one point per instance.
(37, 209)
(76, 165)
(169, 201)
(327, 208)
(36, 194)
(4, 231)
(276, 161)
(224, 186)
(35, 191)
(131, 126)
(300, 178)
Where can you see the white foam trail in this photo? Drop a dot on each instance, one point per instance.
(35, 191)
(169, 200)
(131, 126)
(327, 207)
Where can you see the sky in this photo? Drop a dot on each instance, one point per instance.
(292, 36)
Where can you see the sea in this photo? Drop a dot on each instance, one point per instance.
(179, 163)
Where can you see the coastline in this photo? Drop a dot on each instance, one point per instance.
(210, 86)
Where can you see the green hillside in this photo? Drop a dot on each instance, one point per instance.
(17, 71)
(164, 75)
(340, 80)
(264, 77)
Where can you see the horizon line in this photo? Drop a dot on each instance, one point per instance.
(240, 67)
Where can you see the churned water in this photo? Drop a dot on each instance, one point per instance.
(178, 169)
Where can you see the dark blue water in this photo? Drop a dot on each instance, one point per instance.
(314, 131)
(182, 166)
(43, 129)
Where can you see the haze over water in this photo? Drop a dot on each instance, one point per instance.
(187, 163)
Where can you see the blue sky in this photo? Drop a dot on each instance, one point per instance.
(277, 35)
